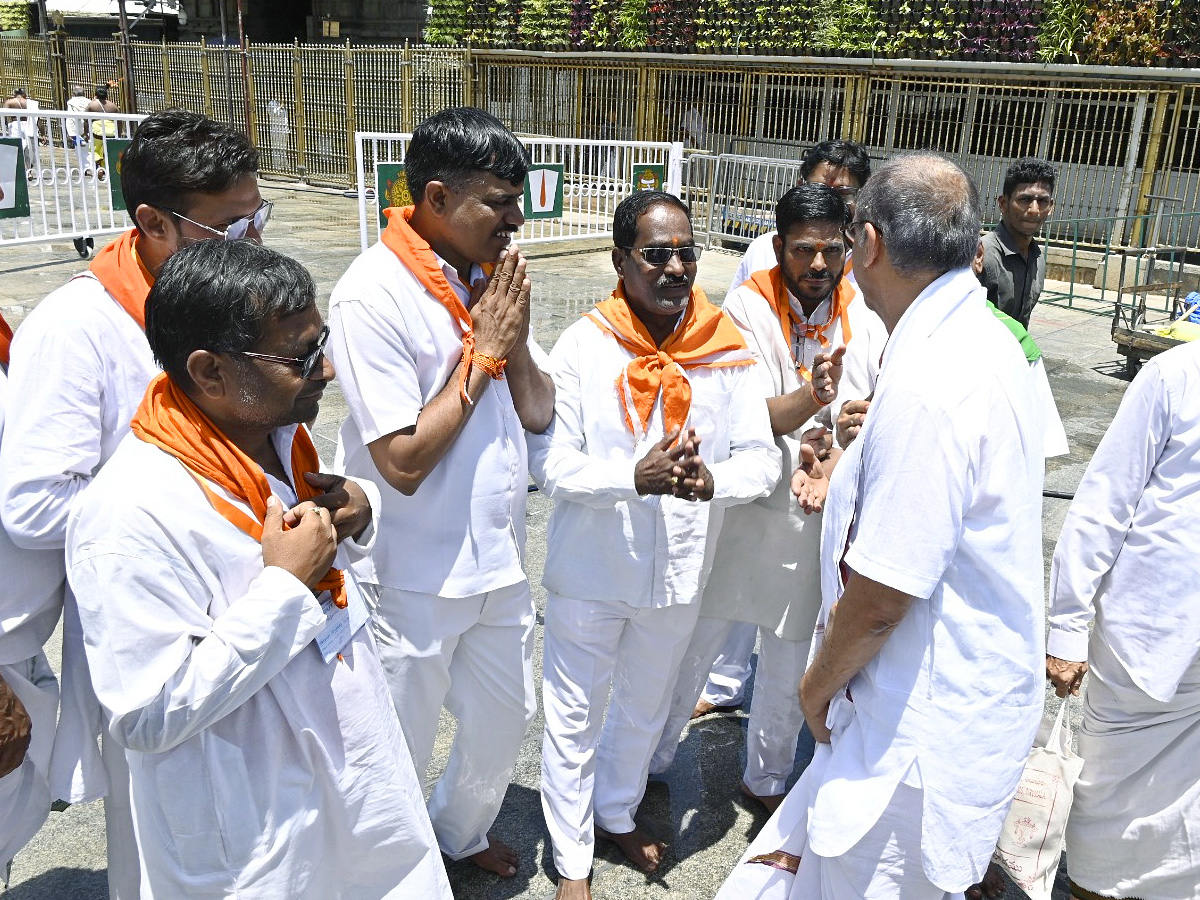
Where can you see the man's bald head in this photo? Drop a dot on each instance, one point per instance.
(926, 209)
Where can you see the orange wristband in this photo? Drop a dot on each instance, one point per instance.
(490, 365)
(817, 399)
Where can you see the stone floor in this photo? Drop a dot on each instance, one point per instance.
(696, 807)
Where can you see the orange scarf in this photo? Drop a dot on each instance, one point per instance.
(769, 283)
(414, 251)
(704, 334)
(118, 268)
(168, 419)
(5, 341)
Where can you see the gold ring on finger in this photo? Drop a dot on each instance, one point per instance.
(674, 480)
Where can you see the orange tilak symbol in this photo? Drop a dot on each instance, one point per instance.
(542, 204)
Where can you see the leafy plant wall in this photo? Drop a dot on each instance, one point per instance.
(1095, 32)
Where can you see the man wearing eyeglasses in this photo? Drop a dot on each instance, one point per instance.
(227, 642)
(1014, 266)
(799, 318)
(80, 365)
(640, 476)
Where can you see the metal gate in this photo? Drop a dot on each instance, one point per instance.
(60, 176)
(586, 180)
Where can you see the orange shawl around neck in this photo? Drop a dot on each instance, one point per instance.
(5, 342)
(706, 338)
(169, 419)
(769, 284)
(414, 251)
(119, 269)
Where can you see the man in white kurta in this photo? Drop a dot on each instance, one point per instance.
(845, 167)
(265, 756)
(80, 365)
(924, 690)
(636, 517)
(766, 568)
(440, 376)
(30, 604)
(1125, 564)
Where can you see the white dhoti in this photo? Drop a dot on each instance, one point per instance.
(730, 671)
(593, 776)
(24, 792)
(886, 864)
(474, 655)
(775, 715)
(1134, 829)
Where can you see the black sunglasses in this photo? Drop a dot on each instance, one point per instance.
(307, 363)
(660, 256)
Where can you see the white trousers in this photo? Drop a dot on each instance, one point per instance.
(24, 792)
(730, 671)
(473, 655)
(592, 775)
(775, 715)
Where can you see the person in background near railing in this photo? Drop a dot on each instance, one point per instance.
(80, 365)
(925, 689)
(1014, 266)
(766, 566)
(24, 128)
(640, 476)
(443, 378)
(102, 128)
(1125, 571)
(845, 167)
(78, 134)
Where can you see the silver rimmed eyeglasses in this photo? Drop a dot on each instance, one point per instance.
(238, 228)
(307, 363)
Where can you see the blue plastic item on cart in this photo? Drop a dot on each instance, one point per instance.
(1189, 300)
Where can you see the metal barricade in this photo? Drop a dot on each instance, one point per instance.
(572, 190)
(742, 193)
(60, 176)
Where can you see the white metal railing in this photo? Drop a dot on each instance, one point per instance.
(60, 175)
(592, 175)
(742, 192)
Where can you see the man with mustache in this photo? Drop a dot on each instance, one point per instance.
(1014, 267)
(799, 318)
(226, 640)
(640, 476)
(440, 374)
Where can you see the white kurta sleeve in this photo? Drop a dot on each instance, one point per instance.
(753, 467)
(161, 666)
(1101, 513)
(52, 442)
(376, 366)
(558, 458)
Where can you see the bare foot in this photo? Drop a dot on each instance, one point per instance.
(573, 889)
(703, 708)
(991, 887)
(498, 858)
(639, 848)
(770, 801)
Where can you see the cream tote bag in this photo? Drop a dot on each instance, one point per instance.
(1031, 842)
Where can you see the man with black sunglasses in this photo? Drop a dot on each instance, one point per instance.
(640, 477)
(80, 365)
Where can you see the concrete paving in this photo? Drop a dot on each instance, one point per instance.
(696, 807)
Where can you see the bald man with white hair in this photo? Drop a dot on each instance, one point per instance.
(924, 690)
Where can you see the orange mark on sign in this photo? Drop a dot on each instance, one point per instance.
(542, 204)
